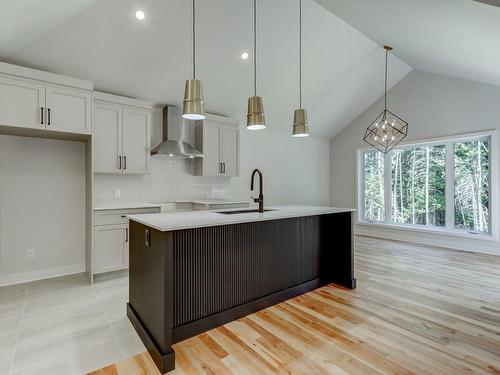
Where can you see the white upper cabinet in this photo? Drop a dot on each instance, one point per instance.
(69, 109)
(22, 102)
(32, 99)
(136, 139)
(229, 151)
(107, 136)
(211, 164)
(122, 135)
(219, 139)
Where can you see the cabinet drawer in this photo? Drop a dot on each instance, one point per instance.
(107, 217)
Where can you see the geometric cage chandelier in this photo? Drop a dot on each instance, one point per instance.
(388, 129)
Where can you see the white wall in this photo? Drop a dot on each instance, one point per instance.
(435, 106)
(296, 171)
(42, 207)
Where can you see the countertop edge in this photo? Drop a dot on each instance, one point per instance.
(334, 210)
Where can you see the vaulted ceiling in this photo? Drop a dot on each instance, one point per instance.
(102, 41)
(460, 38)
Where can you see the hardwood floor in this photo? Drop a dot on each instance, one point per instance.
(416, 310)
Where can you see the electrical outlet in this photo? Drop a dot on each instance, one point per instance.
(117, 193)
(30, 253)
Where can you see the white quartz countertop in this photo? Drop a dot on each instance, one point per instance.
(196, 219)
(99, 206)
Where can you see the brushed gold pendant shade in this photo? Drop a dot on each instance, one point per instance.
(256, 119)
(194, 105)
(300, 124)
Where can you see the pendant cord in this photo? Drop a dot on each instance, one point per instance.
(255, 47)
(300, 54)
(385, 87)
(194, 42)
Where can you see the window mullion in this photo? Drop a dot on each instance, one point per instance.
(388, 187)
(450, 186)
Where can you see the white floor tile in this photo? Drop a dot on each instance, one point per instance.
(11, 307)
(59, 345)
(82, 300)
(7, 341)
(122, 327)
(53, 329)
(78, 363)
(65, 325)
(131, 345)
(5, 361)
(13, 291)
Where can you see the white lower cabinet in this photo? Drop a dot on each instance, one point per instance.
(111, 238)
(110, 248)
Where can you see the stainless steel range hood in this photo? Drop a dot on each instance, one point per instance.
(177, 142)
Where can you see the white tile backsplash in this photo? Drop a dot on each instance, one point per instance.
(168, 181)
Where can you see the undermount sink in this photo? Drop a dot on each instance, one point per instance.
(240, 211)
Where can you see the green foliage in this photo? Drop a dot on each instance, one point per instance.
(374, 186)
(472, 185)
(418, 185)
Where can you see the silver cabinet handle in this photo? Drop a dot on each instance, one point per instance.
(224, 164)
(41, 115)
(119, 162)
(48, 116)
(126, 234)
(124, 162)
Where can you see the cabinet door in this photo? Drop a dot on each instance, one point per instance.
(136, 140)
(69, 109)
(22, 103)
(211, 150)
(106, 138)
(229, 151)
(110, 251)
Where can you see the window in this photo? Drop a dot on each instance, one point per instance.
(472, 185)
(418, 180)
(444, 184)
(374, 186)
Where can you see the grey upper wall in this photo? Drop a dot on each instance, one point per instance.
(434, 105)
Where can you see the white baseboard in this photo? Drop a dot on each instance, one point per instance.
(431, 239)
(47, 273)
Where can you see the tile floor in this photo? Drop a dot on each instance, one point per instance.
(65, 326)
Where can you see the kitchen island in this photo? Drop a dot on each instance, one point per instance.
(193, 271)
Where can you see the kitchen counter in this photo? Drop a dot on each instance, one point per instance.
(100, 206)
(197, 219)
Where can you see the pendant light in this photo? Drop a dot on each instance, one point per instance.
(194, 106)
(255, 115)
(388, 129)
(300, 125)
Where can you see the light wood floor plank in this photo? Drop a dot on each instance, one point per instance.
(417, 310)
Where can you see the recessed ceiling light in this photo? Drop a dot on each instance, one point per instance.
(244, 55)
(139, 15)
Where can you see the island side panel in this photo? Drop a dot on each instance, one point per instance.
(150, 307)
(337, 249)
(225, 272)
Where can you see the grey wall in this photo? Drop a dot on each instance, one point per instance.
(42, 207)
(434, 105)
